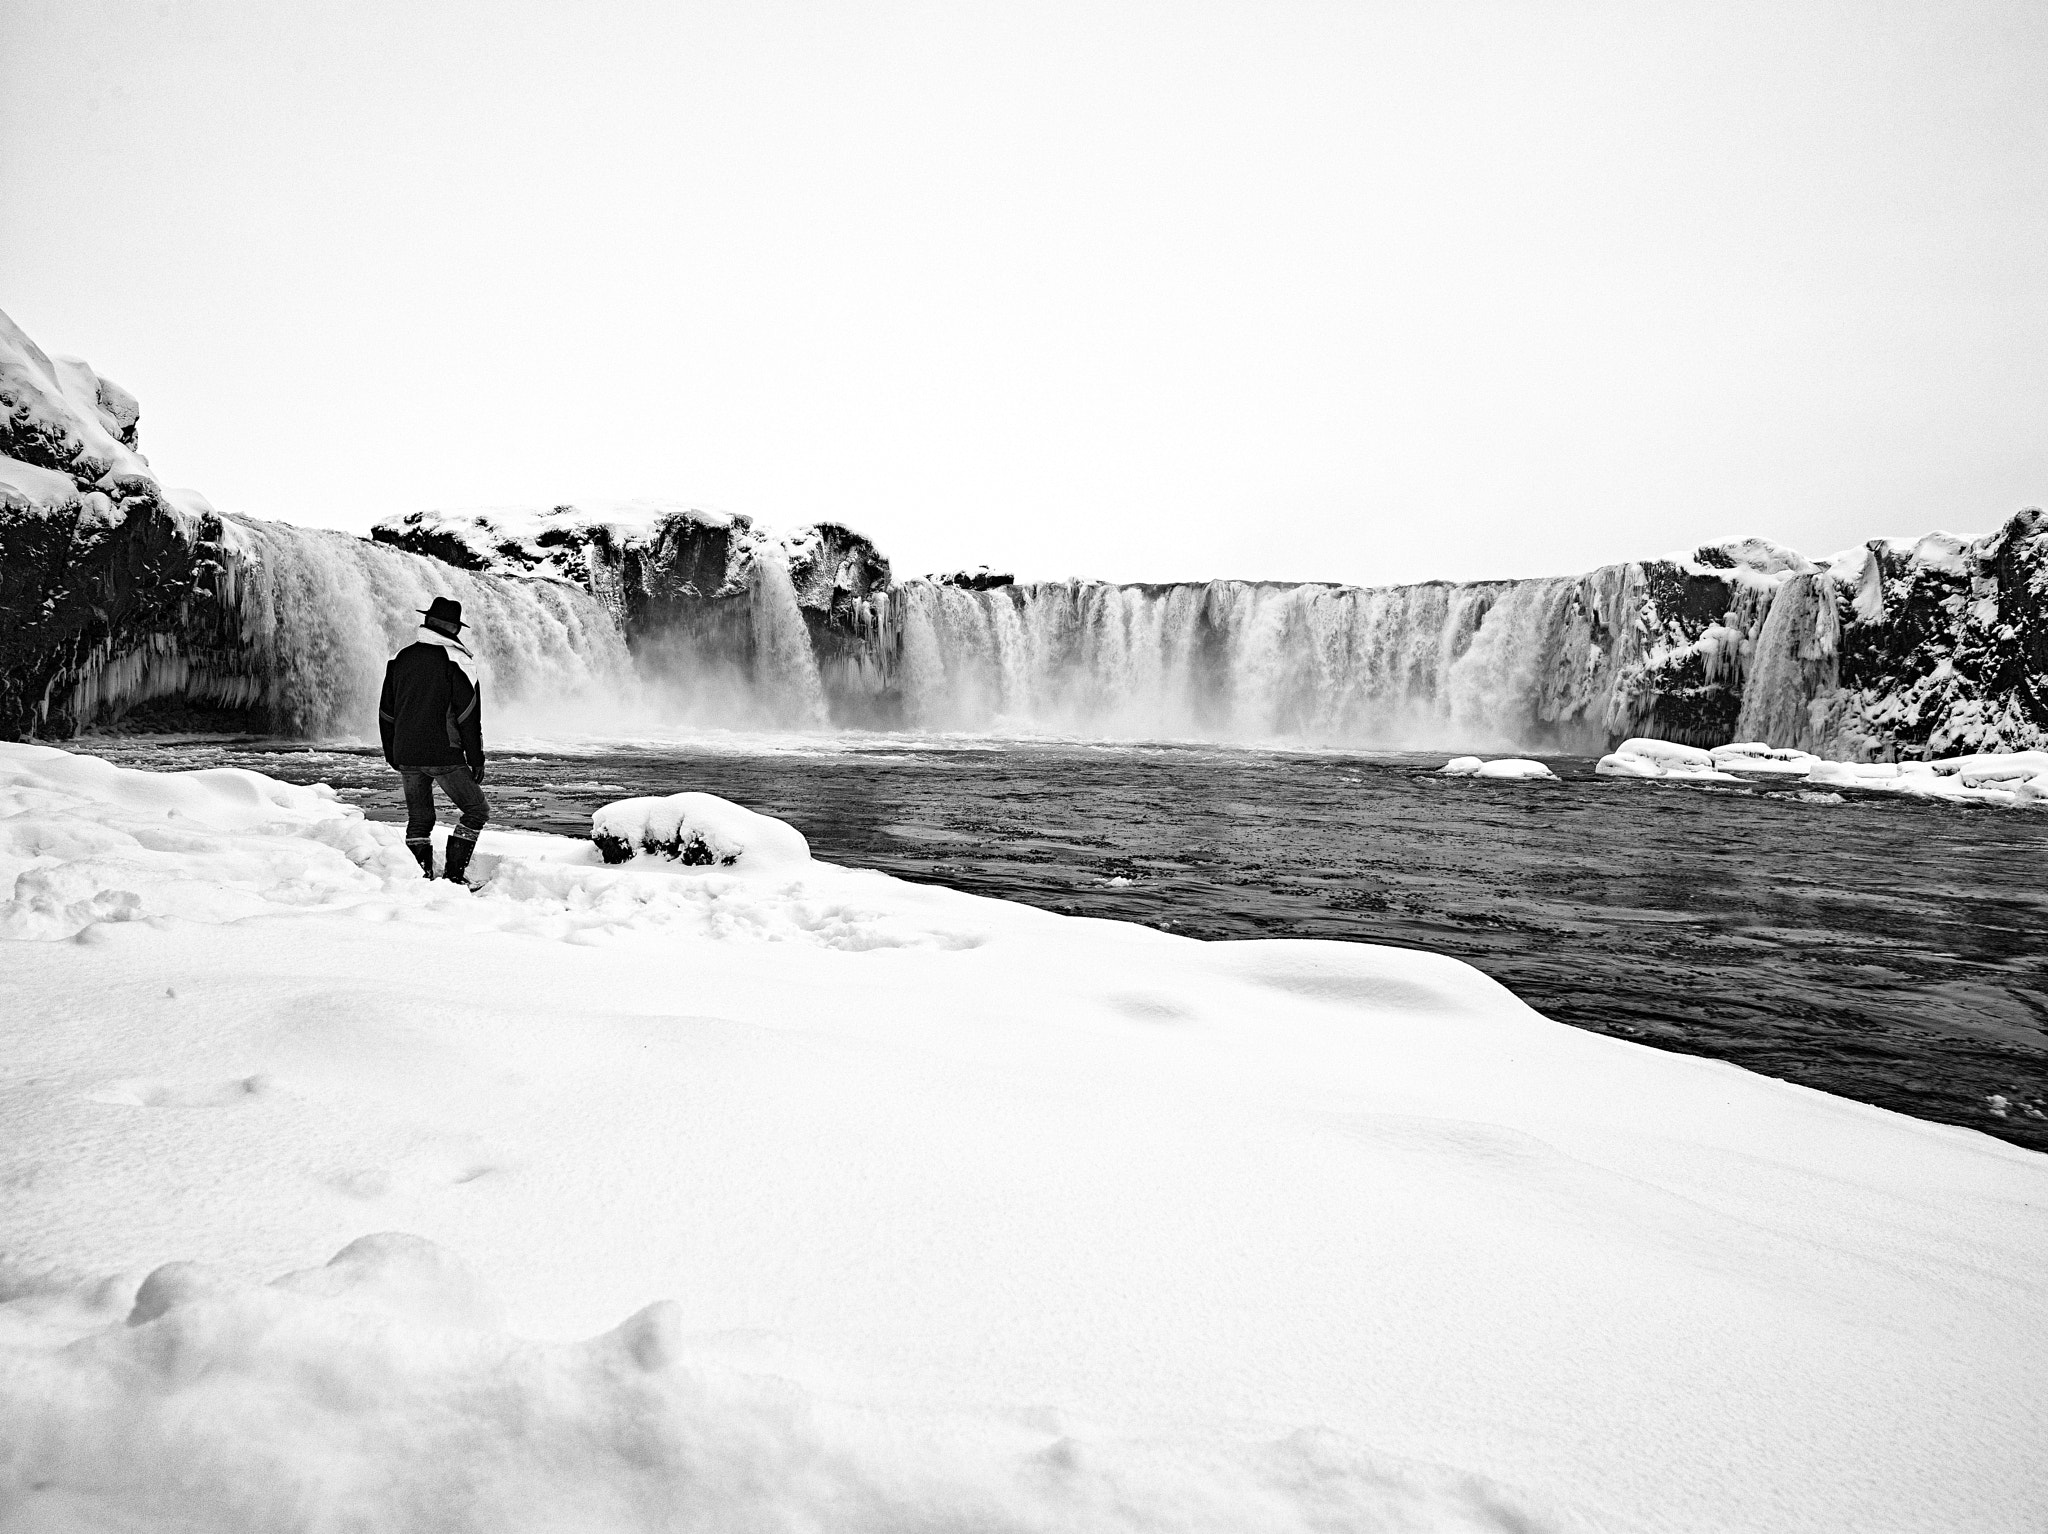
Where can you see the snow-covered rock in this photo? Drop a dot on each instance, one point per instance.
(695, 829)
(2017, 779)
(1667, 754)
(981, 578)
(1645, 758)
(709, 551)
(1759, 760)
(1620, 764)
(1910, 648)
(1515, 767)
(1511, 767)
(59, 415)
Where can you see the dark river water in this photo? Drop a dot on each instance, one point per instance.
(1883, 949)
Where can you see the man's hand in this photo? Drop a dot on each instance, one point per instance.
(476, 770)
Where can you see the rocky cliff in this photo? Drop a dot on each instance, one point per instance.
(110, 586)
(1902, 649)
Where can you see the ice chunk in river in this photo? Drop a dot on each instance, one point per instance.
(1638, 757)
(1760, 760)
(1504, 767)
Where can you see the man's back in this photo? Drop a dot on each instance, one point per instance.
(429, 710)
(431, 718)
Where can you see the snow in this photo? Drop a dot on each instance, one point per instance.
(1514, 767)
(2015, 779)
(1642, 758)
(1765, 557)
(1749, 557)
(778, 1195)
(1666, 753)
(1510, 767)
(33, 487)
(694, 828)
(1761, 760)
(513, 540)
(2012, 779)
(63, 401)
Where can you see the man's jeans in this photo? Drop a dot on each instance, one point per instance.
(462, 792)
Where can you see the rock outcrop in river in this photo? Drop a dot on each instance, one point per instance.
(121, 595)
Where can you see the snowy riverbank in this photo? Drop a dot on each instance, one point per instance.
(970, 1216)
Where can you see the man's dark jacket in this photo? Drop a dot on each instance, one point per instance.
(431, 714)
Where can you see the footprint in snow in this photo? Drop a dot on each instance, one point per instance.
(144, 1092)
(422, 1176)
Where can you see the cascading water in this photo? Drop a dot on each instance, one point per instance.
(308, 619)
(785, 664)
(293, 626)
(1489, 663)
(115, 591)
(1796, 665)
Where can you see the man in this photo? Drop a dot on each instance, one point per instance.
(431, 718)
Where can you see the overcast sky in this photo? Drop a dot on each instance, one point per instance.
(1367, 292)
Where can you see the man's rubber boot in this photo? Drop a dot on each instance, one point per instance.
(459, 849)
(423, 849)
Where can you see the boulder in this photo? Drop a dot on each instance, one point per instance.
(695, 830)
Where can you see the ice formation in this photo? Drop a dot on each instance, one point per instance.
(2015, 778)
(1641, 758)
(790, 1196)
(1759, 760)
(2012, 779)
(1509, 767)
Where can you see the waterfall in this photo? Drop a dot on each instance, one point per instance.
(295, 625)
(305, 619)
(786, 668)
(1794, 673)
(324, 611)
(1481, 664)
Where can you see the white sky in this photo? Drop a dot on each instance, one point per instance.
(1366, 292)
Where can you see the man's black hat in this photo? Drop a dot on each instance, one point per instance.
(444, 616)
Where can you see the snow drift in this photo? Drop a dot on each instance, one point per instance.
(787, 1196)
